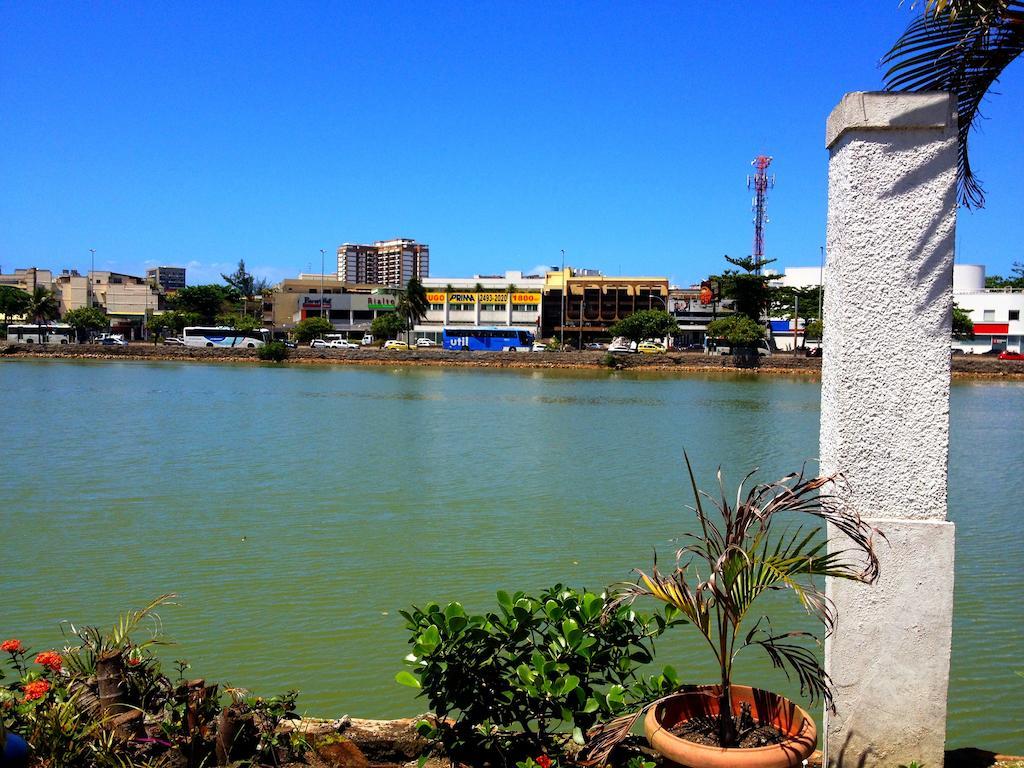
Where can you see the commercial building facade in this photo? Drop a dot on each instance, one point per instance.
(385, 262)
(350, 308)
(996, 314)
(594, 302)
(510, 300)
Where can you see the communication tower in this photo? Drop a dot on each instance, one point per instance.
(760, 182)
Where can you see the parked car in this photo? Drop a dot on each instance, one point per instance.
(692, 348)
(396, 344)
(812, 351)
(651, 348)
(174, 341)
(333, 344)
(425, 342)
(539, 346)
(291, 344)
(1007, 355)
(112, 341)
(593, 345)
(367, 340)
(622, 345)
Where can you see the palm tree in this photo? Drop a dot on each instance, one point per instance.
(42, 305)
(412, 304)
(960, 46)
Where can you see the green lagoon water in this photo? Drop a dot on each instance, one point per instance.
(295, 510)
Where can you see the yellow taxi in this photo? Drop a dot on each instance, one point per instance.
(651, 348)
(396, 344)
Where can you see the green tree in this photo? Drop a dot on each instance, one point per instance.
(246, 285)
(42, 305)
(86, 319)
(14, 302)
(750, 292)
(206, 301)
(1016, 281)
(960, 46)
(963, 326)
(311, 328)
(172, 320)
(813, 330)
(645, 324)
(737, 330)
(387, 326)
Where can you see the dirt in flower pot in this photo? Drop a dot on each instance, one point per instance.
(704, 730)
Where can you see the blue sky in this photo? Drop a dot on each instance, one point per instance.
(499, 134)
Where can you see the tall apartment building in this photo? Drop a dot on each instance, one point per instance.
(386, 262)
(168, 278)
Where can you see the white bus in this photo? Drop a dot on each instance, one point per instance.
(222, 336)
(41, 334)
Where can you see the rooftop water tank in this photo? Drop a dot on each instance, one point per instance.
(968, 278)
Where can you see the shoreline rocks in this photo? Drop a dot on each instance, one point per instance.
(963, 366)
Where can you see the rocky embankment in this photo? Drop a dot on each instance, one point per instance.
(965, 366)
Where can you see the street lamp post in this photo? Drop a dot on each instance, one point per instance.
(323, 253)
(561, 323)
(88, 280)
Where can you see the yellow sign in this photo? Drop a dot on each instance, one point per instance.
(435, 298)
(461, 298)
(526, 298)
(493, 298)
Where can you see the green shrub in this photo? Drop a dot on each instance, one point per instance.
(274, 351)
(738, 330)
(506, 681)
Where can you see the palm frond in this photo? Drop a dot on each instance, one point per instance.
(961, 47)
(798, 659)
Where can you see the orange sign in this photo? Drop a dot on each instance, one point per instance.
(526, 298)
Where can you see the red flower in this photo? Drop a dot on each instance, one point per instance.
(12, 646)
(36, 689)
(134, 660)
(543, 761)
(51, 660)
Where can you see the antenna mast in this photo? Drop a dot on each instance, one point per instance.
(760, 182)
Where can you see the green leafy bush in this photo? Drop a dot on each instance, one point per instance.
(509, 680)
(274, 351)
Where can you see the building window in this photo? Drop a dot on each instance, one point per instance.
(492, 307)
(437, 307)
(524, 307)
(989, 314)
(1015, 314)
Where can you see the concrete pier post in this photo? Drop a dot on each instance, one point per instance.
(885, 418)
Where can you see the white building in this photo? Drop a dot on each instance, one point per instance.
(511, 300)
(996, 314)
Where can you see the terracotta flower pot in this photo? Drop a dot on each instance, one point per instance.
(766, 707)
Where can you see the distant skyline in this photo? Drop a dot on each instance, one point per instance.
(195, 134)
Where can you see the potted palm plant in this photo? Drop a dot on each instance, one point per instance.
(738, 556)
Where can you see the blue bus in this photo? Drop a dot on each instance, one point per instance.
(494, 339)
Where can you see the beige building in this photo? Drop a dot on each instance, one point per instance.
(386, 262)
(27, 279)
(72, 290)
(351, 308)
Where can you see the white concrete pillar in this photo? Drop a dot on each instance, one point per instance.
(885, 418)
